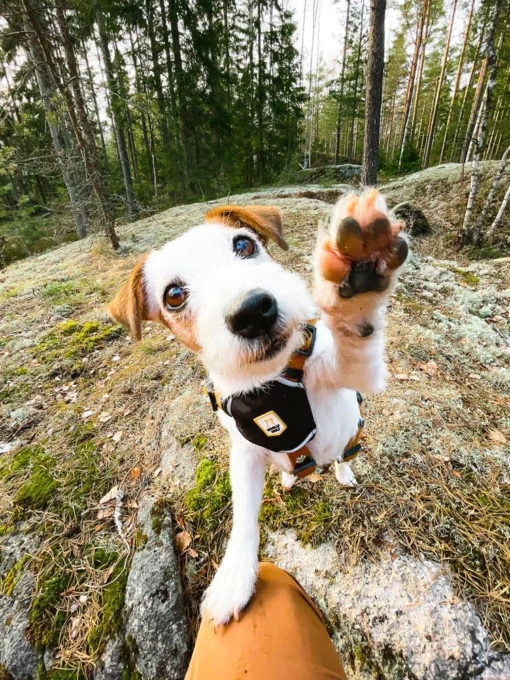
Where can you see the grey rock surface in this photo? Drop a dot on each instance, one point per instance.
(156, 627)
(111, 665)
(18, 657)
(398, 618)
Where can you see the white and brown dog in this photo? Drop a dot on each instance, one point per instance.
(221, 293)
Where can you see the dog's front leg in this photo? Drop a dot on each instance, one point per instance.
(357, 264)
(234, 582)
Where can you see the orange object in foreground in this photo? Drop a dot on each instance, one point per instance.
(280, 636)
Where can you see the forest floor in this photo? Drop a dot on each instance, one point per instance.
(85, 412)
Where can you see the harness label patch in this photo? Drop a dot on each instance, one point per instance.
(271, 424)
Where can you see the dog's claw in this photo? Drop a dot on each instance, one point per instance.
(397, 253)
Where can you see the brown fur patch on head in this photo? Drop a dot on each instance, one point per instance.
(266, 221)
(183, 329)
(129, 306)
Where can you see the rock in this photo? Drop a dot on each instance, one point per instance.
(156, 628)
(499, 670)
(18, 657)
(111, 665)
(416, 222)
(397, 618)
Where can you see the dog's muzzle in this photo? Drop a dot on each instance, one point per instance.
(254, 316)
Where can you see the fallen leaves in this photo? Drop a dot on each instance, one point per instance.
(182, 541)
(110, 496)
(104, 417)
(87, 414)
(430, 368)
(135, 472)
(497, 437)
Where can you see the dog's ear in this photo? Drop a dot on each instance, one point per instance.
(266, 221)
(129, 307)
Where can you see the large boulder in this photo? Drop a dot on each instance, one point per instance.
(416, 222)
(397, 618)
(156, 626)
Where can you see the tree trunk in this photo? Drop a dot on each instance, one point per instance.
(421, 59)
(352, 145)
(457, 79)
(260, 95)
(375, 71)
(410, 83)
(79, 216)
(76, 111)
(342, 80)
(473, 116)
(437, 97)
(156, 71)
(492, 193)
(468, 234)
(467, 89)
(180, 82)
(96, 107)
(117, 120)
(499, 217)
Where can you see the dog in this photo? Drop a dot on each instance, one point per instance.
(219, 291)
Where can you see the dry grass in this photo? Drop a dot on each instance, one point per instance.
(432, 481)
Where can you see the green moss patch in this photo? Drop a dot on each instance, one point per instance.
(70, 340)
(112, 603)
(13, 576)
(47, 615)
(212, 491)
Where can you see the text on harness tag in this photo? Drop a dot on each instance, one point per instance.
(271, 424)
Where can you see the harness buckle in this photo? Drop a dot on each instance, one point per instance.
(304, 466)
(208, 388)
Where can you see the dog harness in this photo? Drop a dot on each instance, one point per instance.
(278, 415)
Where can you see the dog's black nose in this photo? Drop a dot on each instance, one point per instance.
(254, 316)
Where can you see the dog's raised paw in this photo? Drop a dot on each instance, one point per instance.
(364, 245)
(230, 591)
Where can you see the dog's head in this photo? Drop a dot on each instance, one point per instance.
(221, 293)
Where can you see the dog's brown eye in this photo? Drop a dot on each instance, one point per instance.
(244, 246)
(175, 297)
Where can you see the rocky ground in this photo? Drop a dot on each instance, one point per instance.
(115, 501)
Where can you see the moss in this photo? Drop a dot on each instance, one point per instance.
(62, 674)
(159, 511)
(4, 673)
(128, 654)
(141, 539)
(469, 278)
(212, 491)
(199, 442)
(13, 576)
(112, 603)
(21, 370)
(22, 460)
(6, 529)
(61, 291)
(37, 492)
(484, 252)
(70, 340)
(46, 618)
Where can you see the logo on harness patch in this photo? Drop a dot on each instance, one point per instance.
(271, 424)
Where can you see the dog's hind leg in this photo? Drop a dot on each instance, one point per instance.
(344, 474)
